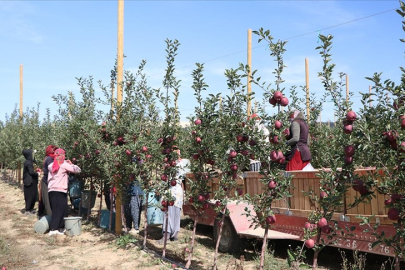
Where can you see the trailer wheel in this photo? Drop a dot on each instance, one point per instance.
(230, 241)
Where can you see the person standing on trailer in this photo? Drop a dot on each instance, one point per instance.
(299, 156)
(44, 207)
(30, 181)
(57, 190)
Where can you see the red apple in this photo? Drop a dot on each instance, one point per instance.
(307, 225)
(128, 152)
(164, 203)
(348, 160)
(234, 167)
(388, 201)
(280, 154)
(272, 184)
(277, 95)
(286, 132)
(197, 122)
(252, 142)
(393, 214)
(363, 191)
(144, 149)
(274, 139)
(284, 101)
(273, 155)
(163, 177)
(351, 116)
(194, 132)
(402, 147)
(201, 198)
(323, 194)
(173, 182)
(245, 138)
(239, 138)
(272, 101)
(270, 219)
(322, 222)
(278, 124)
(191, 200)
(348, 129)
(196, 156)
(244, 152)
(396, 197)
(217, 203)
(198, 140)
(349, 150)
(207, 196)
(240, 191)
(206, 206)
(233, 153)
(403, 123)
(358, 184)
(309, 243)
(171, 203)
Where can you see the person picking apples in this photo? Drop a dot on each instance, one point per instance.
(299, 156)
(174, 209)
(133, 206)
(57, 190)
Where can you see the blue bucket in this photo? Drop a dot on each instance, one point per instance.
(75, 189)
(76, 203)
(105, 219)
(153, 213)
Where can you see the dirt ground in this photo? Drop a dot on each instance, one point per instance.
(97, 248)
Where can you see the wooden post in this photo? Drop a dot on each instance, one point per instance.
(369, 98)
(347, 90)
(19, 174)
(249, 62)
(120, 73)
(307, 87)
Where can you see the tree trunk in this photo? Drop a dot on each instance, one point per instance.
(214, 267)
(264, 246)
(315, 261)
(190, 256)
(165, 233)
(145, 226)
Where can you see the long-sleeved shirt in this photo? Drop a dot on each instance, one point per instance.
(59, 181)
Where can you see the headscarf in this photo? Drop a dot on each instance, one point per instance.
(296, 115)
(50, 152)
(58, 159)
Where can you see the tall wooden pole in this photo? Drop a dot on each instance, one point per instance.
(19, 174)
(347, 89)
(21, 90)
(307, 87)
(249, 62)
(120, 73)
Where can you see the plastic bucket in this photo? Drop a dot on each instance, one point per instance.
(75, 189)
(86, 194)
(153, 214)
(73, 225)
(105, 219)
(76, 203)
(42, 225)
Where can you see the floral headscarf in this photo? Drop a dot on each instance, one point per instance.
(58, 159)
(50, 152)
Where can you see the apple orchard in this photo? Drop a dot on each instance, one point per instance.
(359, 161)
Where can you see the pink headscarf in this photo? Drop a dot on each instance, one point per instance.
(59, 159)
(294, 115)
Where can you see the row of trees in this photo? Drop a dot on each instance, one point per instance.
(135, 140)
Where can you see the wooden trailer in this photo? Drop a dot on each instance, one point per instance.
(292, 213)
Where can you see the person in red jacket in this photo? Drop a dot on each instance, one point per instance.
(300, 155)
(57, 190)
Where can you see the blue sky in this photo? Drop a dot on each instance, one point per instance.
(57, 41)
